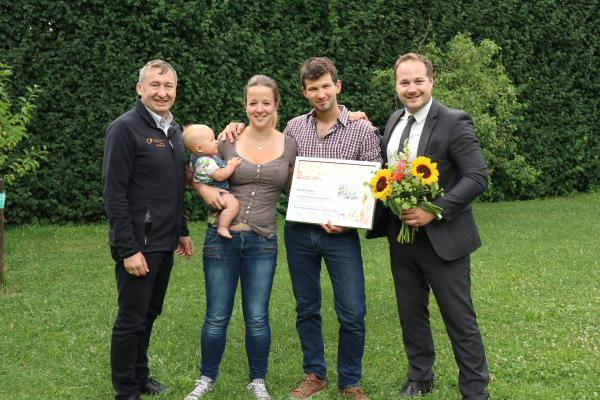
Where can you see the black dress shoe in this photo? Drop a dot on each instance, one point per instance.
(416, 388)
(153, 387)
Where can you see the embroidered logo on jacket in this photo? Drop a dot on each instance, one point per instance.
(158, 143)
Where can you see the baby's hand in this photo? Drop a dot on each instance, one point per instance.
(235, 161)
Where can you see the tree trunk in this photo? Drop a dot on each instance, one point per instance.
(1, 233)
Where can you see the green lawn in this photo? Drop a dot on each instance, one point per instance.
(536, 288)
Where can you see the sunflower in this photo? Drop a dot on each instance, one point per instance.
(381, 185)
(425, 169)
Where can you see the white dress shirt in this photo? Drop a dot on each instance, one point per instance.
(415, 133)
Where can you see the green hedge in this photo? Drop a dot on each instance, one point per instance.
(85, 56)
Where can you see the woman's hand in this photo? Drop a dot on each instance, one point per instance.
(210, 195)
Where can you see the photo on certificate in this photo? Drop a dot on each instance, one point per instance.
(335, 190)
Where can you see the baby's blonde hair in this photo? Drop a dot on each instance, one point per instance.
(196, 134)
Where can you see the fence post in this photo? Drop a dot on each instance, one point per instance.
(2, 198)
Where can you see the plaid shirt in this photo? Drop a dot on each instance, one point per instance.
(356, 140)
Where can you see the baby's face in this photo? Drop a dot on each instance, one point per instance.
(209, 145)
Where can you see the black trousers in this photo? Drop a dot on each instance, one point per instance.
(140, 302)
(416, 269)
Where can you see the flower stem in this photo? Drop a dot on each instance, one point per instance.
(406, 234)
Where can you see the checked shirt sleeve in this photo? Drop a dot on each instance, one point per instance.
(370, 149)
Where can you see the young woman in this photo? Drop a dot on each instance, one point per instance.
(250, 256)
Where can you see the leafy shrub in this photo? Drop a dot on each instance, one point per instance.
(468, 77)
(86, 55)
(16, 158)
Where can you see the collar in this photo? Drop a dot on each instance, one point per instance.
(342, 118)
(157, 118)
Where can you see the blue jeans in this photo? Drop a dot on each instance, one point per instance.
(250, 259)
(306, 245)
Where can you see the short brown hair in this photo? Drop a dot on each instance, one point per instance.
(316, 67)
(415, 57)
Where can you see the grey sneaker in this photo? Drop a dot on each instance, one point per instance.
(203, 386)
(258, 388)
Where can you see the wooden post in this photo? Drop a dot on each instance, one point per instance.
(2, 197)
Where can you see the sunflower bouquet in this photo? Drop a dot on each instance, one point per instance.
(405, 184)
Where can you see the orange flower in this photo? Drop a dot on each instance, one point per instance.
(397, 176)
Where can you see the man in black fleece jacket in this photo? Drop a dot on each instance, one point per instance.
(143, 179)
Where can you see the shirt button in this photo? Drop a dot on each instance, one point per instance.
(253, 193)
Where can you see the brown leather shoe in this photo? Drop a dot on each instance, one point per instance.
(354, 393)
(309, 386)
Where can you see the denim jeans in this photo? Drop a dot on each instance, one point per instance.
(250, 259)
(306, 245)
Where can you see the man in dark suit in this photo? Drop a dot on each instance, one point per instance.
(438, 259)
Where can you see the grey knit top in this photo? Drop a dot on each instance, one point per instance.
(257, 187)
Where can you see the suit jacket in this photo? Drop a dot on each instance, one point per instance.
(448, 138)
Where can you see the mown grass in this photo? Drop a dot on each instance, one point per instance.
(536, 288)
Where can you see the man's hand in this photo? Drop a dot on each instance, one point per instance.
(356, 115)
(417, 217)
(332, 229)
(185, 247)
(232, 131)
(211, 195)
(136, 264)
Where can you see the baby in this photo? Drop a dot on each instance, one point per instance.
(212, 170)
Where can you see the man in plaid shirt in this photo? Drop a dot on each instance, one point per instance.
(325, 132)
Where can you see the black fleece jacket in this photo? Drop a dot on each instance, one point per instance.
(143, 180)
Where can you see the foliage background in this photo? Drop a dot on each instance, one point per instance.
(85, 55)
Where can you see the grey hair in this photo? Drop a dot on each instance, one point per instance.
(163, 65)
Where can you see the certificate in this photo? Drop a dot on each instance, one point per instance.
(325, 189)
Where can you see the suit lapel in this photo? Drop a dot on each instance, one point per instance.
(430, 122)
(387, 133)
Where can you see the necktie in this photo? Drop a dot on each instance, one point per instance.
(162, 123)
(406, 133)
